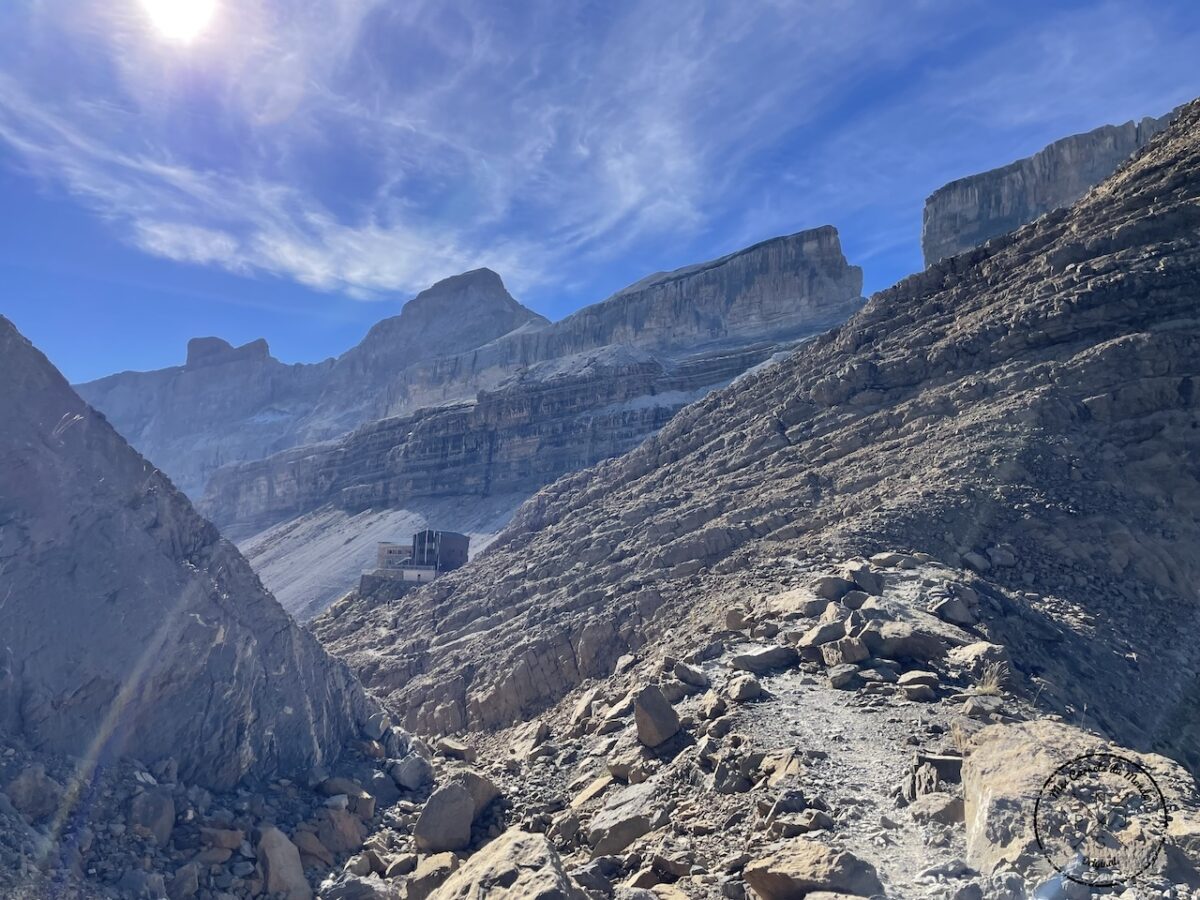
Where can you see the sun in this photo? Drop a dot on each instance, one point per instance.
(180, 20)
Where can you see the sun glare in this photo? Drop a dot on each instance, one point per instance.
(180, 20)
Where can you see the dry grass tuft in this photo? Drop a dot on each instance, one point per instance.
(992, 680)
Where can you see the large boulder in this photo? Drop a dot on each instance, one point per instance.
(283, 874)
(445, 822)
(764, 659)
(1008, 767)
(515, 866)
(34, 793)
(655, 718)
(627, 815)
(152, 813)
(803, 866)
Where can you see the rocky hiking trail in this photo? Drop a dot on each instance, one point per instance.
(865, 757)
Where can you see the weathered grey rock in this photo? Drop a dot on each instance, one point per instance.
(844, 676)
(413, 773)
(846, 650)
(1006, 771)
(744, 688)
(34, 794)
(655, 718)
(214, 409)
(123, 602)
(832, 587)
(152, 813)
(185, 883)
(764, 659)
(430, 874)
(691, 675)
(481, 788)
(515, 866)
(900, 640)
(1052, 349)
(282, 872)
(954, 611)
(804, 866)
(965, 213)
(627, 815)
(445, 821)
(340, 831)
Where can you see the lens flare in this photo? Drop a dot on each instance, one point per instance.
(180, 20)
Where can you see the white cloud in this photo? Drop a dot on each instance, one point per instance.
(365, 147)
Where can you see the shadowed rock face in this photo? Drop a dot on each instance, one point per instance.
(127, 625)
(965, 213)
(1037, 394)
(230, 404)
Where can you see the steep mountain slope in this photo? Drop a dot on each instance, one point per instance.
(128, 624)
(1028, 409)
(965, 213)
(225, 405)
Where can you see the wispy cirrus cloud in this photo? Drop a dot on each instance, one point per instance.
(365, 147)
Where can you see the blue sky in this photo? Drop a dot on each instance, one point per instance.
(298, 170)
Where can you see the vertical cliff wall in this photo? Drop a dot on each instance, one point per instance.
(971, 210)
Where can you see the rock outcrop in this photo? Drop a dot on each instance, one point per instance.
(129, 625)
(1027, 410)
(465, 335)
(510, 441)
(965, 213)
(227, 404)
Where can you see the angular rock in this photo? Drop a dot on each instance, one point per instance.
(35, 794)
(152, 813)
(803, 866)
(413, 773)
(744, 688)
(656, 720)
(844, 677)
(481, 788)
(445, 821)
(515, 866)
(310, 846)
(282, 872)
(845, 650)
(900, 640)
(430, 874)
(691, 675)
(765, 659)
(832, 587)
(954, 611)
(626, 816)
(341, 831)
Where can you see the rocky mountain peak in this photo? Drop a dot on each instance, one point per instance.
(454, 314)
(209, 351)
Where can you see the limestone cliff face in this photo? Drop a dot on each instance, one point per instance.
(511, 440)
(778, 290)
(229, 404)
(129, 625)
(965, 213)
